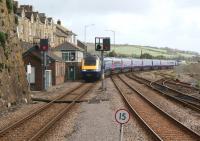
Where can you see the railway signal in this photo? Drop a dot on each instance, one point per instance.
(44, 44)
(102, 44)
(106, 44)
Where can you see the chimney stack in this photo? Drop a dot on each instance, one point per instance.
(59, 22)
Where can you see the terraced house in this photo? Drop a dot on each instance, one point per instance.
(33, 26)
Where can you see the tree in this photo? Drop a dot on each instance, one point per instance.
(146, 56)
(112, 54)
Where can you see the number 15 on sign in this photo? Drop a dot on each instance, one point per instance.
(122, 116)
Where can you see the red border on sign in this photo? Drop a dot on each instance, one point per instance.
(124, 110)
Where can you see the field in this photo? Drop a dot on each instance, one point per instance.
(135, 51)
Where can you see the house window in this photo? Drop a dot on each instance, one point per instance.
(68, 56)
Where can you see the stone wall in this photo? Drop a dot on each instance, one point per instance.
(13, 83)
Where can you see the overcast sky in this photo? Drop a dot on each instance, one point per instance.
(161, 23)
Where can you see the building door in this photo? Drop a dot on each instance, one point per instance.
(71, 73)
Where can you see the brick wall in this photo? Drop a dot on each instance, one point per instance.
(35, 62)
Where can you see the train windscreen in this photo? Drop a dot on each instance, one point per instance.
(90, 61)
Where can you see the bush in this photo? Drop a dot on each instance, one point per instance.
(146, 56)
(2, 39)
(9, 5)
(112, 54)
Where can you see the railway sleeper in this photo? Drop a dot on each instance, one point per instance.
(58, 101)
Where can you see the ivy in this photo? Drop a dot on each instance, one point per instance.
(2, 39)
(9, 5)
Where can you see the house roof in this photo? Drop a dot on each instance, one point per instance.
(63, 29)
(60, 34)
(19, 11)
(81, 44)
(42, 17)
(25, 46)
(28, 8)
(67, 46)
(35, 14)
(28, 14)
(36, 52)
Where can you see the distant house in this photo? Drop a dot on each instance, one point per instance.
(81, 45)
(55, 73)
(62, 35)
(72, 55)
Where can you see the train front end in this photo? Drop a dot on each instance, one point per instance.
(91, 68)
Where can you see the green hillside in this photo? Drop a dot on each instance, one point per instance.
(135, 51)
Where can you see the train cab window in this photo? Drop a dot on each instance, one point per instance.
(90, 61)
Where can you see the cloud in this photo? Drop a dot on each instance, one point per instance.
(172, 23)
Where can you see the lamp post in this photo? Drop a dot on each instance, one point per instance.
(113, 36)
(85, 32)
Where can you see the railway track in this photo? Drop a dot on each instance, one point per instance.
(36, 124)
(160, 124)
(179, 83)
(187, 89)
(186, 100)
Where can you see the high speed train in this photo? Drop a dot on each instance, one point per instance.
(91, 65)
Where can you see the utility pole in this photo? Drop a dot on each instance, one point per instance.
(85, 33)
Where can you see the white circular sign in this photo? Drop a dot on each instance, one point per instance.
(122, 116)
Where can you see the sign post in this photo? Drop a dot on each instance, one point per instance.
(122, 117)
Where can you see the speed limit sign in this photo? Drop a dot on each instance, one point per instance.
(122, 116)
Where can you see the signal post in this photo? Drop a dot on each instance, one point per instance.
(102, 44)
(44, 46)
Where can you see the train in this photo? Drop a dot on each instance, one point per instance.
(91, 66)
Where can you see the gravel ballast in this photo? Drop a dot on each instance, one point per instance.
(96, 120)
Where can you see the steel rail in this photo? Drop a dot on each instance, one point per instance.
(43, 130)
(36, 111)
(172, 119)
(179, 84)
(149, 84)
(134, 112)
(180, 95)
(184, 84)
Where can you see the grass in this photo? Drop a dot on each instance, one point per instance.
(135, 51)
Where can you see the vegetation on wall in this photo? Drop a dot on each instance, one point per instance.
(2, 39)
(9, 5)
